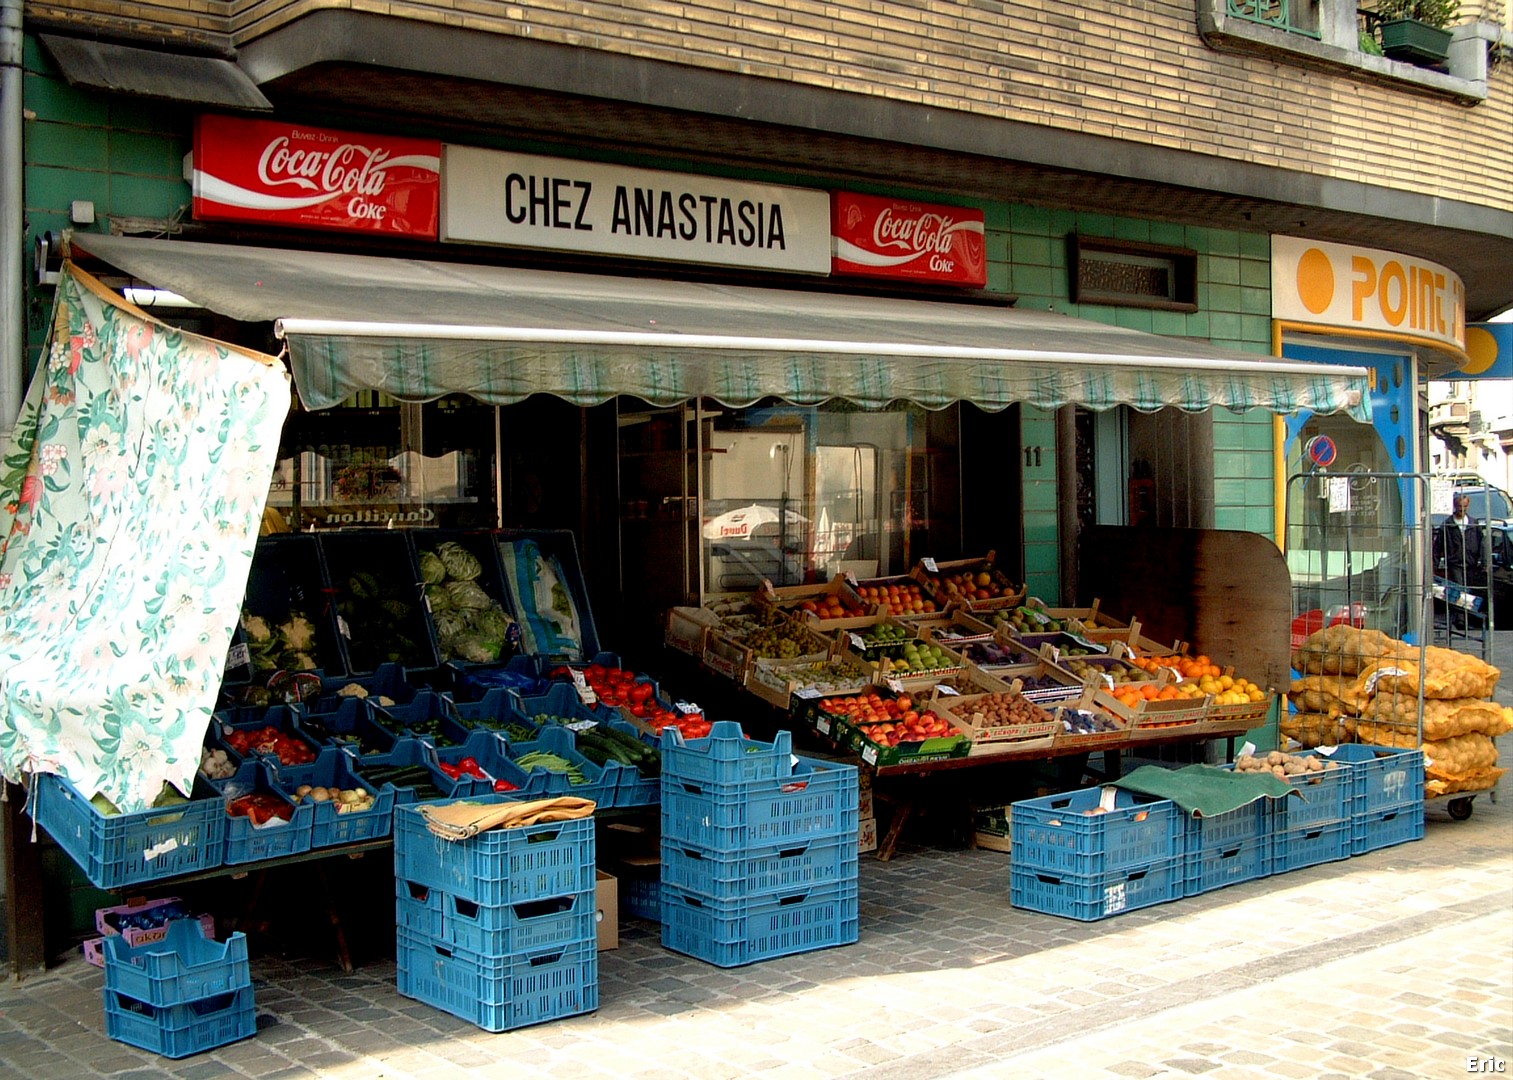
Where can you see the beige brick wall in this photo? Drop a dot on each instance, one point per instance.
(1128, 70)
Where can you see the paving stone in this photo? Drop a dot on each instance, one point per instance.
(1195, 1066)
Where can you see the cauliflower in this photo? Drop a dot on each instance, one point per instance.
(298, 633)
(256, 628)
(301, 661)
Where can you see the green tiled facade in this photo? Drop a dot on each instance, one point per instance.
(126, 158)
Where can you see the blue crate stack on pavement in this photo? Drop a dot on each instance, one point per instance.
(1388, 795)
(181, 995)
(499, 929)
(759, 848)
(1096, 853)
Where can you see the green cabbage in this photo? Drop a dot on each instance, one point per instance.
(468, 594)
(460, 563)
(440, 599)
(432, 570)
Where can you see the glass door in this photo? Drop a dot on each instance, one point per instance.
(658, 513)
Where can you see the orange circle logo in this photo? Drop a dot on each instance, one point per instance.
(1481, 347)
(1315, 281)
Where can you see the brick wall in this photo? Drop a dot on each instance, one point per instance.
(1133, 71)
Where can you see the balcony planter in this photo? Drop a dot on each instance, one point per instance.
(1415, 42)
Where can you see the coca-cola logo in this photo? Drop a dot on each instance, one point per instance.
(921, 234)
(348, 169)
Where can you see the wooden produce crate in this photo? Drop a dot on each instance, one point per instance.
(817, 603)
(1156, 718)
(725, 656)
(856, 738)
(953, 629)
(1239, 717)
(1037, 729)
(1135, 642)
(903, 597)
(1043, 682)
(1082, 724)
(972, 680)
(938, 575)
(777, 681)
(686, 627)
(1091, 617)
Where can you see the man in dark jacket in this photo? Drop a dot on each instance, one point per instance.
(1459, 555)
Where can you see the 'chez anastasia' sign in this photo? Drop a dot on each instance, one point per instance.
(497, 197)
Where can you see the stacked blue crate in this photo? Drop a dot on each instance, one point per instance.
(181, 995)
(1315, 828)
(1387, 801)
(1095, 853)
(1227, 849)
(759, 848)
(499, 929)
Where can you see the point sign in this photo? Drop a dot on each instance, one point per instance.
(1321, 450)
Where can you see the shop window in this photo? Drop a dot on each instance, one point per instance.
(383, 464)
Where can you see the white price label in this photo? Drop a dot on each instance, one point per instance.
(586, 694)
(687, 708)
(343, 629)
(851, 578)
(1339, 494)
(929, 565)
(894, 683)
(947, 691)
(238, 656)
(822, 725)
(807, 693)
(581, 725)
(869, 755)
(856, 642)
(1091, 646)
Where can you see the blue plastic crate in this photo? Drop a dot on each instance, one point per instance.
(641, 897)
(499, 993)
(116, 850)
(497, 930)
(559, 699)
(330, 824)
(518, 675)
(818, 801)
(410, 751)
(725, 755)
(1250, 822)
(184, 966)
(1384, 777)
(480, 544)
(1293, 849)
(497, 710)
(391, 681)
(1218, 865)
(245, 842)
(722, 875)
(1384, 828)
(1063, 834)
(176, 1031)
(729, 933)
(560, 741)
(285, 719)
(488, 749)
(1327, 797)
(350, 724)
(428, 715)
(1090, 897)
(498, 866)
(632, 788)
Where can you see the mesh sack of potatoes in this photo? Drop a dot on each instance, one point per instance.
(1345, 650)
(1334, 695)
(1312, 729)
(1478, 781)
(1458, 756)
(1447, 674)
(1443, 717)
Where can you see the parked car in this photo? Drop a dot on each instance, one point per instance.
(1488, 503)
(1502, 577)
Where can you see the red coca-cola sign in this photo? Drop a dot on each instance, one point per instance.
(897, 238)
(294, 174)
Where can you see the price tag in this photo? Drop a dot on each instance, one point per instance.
(929, 565)
(1039, 616)
(808, 693)
(1248, 750)
(947, 691)
(1107, 798)
(1377, 676)
(894, 683)
(426, 600)
(581, 725)
(586, 694)
(343, 629)
(869, 755)
(822, 725)
(238, 656)
(856, 642)
(687, 708)
(851, 578)
(1092, 646)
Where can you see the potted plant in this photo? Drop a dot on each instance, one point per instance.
(1414, 30)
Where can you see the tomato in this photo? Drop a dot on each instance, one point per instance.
(505, 785)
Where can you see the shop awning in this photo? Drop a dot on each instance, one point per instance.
(420, 329)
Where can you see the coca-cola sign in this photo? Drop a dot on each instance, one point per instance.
(294, 174)
(897, 238)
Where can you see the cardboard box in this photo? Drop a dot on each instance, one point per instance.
(994, 828)
(607, 901)
(866, 835)
(865, 807)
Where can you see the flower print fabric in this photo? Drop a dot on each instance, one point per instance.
(130, 501)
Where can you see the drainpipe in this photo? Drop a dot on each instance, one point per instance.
(12, 224)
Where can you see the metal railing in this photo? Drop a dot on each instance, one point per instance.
(1294, 16)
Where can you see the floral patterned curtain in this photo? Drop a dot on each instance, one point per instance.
(130, 500)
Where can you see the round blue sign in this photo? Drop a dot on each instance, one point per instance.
(1321, 450)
